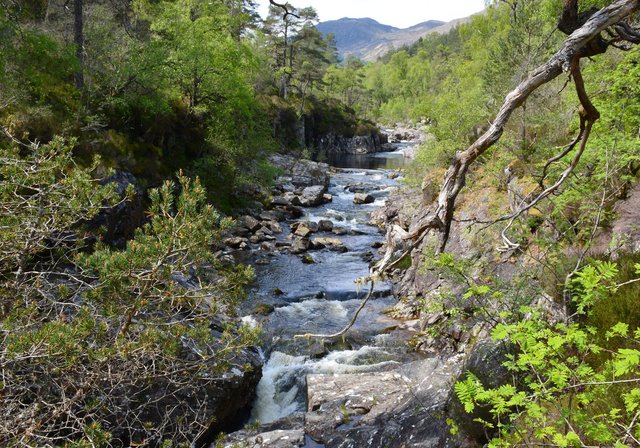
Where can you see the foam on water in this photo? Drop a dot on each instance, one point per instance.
(281, 389)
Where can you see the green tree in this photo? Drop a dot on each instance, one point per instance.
(89, 335)
(574, 384)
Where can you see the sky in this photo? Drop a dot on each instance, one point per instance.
(398, 13)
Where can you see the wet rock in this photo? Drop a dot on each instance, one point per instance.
(377, 244)
(363, 198)
(325, 225)
(331, 243)
(367, 257)
(327, 198)
(250, 223)
(361, 188)
(295, 212)
(406, 406)
(300, 245)
(308, 259)
(317, 349)
(313, 196)
(339, 231)
(236, 242)
(254, 239)
(264, 309)
(267, 247)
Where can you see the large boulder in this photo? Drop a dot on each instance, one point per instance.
(299, 172)
(313, 196)
(250, 223)
(304, 229)
(400, 408)
(325, 225)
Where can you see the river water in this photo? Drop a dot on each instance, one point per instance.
(322, 297)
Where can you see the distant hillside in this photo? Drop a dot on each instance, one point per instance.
(369, 39)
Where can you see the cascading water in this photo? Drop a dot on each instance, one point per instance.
(321, 297)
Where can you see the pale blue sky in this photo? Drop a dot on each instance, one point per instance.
(399, 13)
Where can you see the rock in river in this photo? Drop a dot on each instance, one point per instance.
(363, 198)
(313, 196)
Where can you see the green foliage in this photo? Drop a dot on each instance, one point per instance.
(89, 333)
(41, 194)
(568, 390)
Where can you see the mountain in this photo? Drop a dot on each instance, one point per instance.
(369, 39)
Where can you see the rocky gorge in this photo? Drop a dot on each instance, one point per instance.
(387, 382)
(321, 234)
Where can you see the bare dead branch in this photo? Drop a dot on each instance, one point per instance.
(349, 325)
(585, 41)
(285, 8)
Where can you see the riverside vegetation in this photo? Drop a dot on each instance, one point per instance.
(119, 337)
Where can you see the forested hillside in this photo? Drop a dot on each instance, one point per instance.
(113, 317)
(133, 131)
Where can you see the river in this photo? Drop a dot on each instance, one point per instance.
(321, 297)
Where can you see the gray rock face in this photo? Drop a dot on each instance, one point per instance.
(226, 397)
(299, 172)
(365, 144)
(485, 362)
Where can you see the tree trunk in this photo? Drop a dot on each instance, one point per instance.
(79, 41)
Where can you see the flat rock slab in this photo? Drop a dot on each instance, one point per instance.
(284, 433)
(401, 408)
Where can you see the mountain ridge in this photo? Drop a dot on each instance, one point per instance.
(368, 39)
